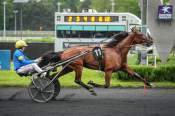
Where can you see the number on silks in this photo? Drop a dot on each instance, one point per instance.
(97, 53)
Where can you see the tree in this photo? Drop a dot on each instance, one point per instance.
(85, 4)
(100, 5)
(70, 4)
(128, 6)
(40, 15)
(120, 6)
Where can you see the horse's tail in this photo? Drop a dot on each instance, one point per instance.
(50, 57)
(55, 56)
(59, 55)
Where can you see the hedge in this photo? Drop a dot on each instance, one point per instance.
(161, 73)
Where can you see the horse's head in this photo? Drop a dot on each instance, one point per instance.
(140, 38)
(49, 57)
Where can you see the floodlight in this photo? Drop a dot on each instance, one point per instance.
(20, 1)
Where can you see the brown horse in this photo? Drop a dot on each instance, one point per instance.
(114, 58)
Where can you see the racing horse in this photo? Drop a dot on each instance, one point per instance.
(114, 58)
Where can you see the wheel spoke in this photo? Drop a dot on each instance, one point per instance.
(47, 91)
(35, 83)
(34, 95)
(32, 87)
(41, 83)
(43, 97)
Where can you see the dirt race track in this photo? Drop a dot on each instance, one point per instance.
(78, 102)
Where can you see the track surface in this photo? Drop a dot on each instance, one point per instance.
(78, 102)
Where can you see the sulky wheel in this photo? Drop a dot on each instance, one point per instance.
(40, 91)
(56, 85)
(57, 89)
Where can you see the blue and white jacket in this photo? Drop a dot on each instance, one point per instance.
(19, 59)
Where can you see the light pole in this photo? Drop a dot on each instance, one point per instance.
(113, 5)
(59, 4)
(21, 2)
(4, 32)
(21, 25)
(15, 12)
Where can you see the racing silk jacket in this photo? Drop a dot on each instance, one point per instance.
(19, 59)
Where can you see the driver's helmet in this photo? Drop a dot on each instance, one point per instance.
(20, 43)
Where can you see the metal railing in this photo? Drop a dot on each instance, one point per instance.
(28, 33)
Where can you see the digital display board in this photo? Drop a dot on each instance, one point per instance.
(91, 18)
(165, 12)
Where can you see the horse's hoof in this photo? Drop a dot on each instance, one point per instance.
(93, 93)
(91, 90)
(90, 82)
(150, 85)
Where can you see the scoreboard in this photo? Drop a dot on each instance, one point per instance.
(91, 18)
(72, 29)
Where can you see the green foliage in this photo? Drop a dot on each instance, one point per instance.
(165, 1)
(42, 15)
(128, 6)
(85, 5)
(101, 5)
(120, 6)
(132, 59)
(161, 73)
(71, 4)
(11, 79)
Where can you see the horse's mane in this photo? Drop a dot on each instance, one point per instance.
(117, 38)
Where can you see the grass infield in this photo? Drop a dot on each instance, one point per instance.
(11, 79)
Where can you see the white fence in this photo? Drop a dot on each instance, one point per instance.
(28, 33)
(13, 36)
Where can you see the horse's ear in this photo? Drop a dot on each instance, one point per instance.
(133, 29)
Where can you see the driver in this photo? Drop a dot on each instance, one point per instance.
(23, 65)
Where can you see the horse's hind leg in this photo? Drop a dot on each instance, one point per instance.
(78, 74)
(95, 84)
(66, 70)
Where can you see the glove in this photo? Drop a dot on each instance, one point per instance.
(37, 60)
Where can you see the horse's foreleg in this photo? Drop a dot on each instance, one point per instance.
(141, 78)
(108, 75)
(78, 74)
(134, 74)
(107, 81)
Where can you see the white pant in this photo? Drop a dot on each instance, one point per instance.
(29, 68)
